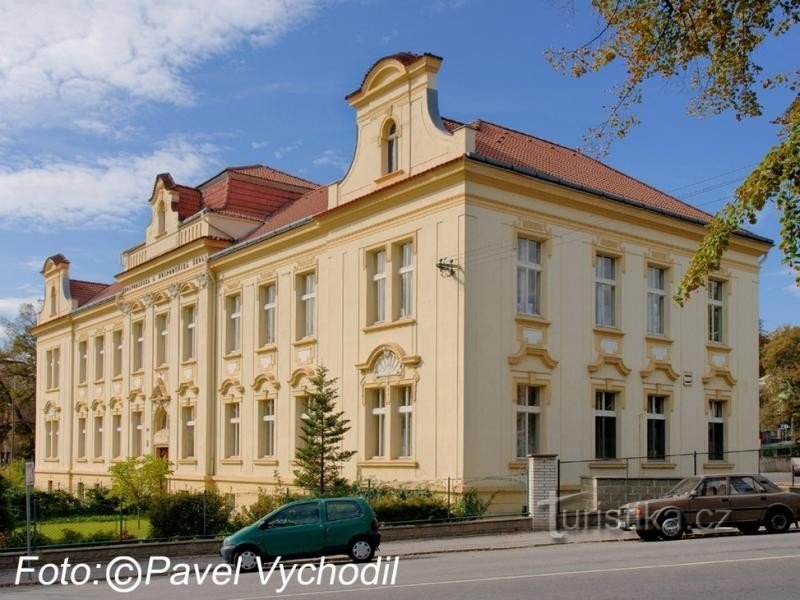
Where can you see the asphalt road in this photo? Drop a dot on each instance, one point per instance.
(762, 566)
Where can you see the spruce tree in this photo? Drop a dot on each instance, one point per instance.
(320, 456)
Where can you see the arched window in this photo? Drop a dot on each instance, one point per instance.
(390, 148)
(161, 217)
(52, 300)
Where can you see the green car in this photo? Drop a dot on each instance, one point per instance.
(307, 528)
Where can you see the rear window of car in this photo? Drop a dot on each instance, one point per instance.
(338, 510)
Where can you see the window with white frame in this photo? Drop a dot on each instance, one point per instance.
(83, 360)
(716, 310)
(528, 411)
(99, 356)
(656, 427)
(266, 427)
(232, 429)
(82, 436)
(53, 360)
(391, 154)
(656, 300)
(307, 291)
(98, 435)
(529, 277)
(405, 278)
(405, 421)
(268, 297)
(378, 295)
(51, 432)
(233, 323)
(116, 435)
(188, 332)
(187, 431)
(138, 345)
(605, 291)
(137, 433)
(605, 425)
(376, 430)
(162, 338)
(116, 361)
(716, 430)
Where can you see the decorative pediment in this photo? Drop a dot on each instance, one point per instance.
(536, 351)
(51, 408)
(614, 361)
(658, 365)
(115, 405)
(160, 390)
(723, 374)
(265, 379)
(98, 406)
(188, 388)
(391, 356)
(299, 373)
(231, 387)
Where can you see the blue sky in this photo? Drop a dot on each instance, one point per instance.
(95, 100)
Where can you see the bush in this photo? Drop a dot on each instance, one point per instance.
(70, 536)
(6, 518)
(185, 514)
(470, 504)
(57, 503)
(99, 502)
(17, 539)
(393, 508)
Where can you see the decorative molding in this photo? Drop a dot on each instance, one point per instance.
(263, 379)
(659, 365)
(225, 387)
(536, 351)
(299, 373)
(724, 374)
(609, 359)
(408, 360)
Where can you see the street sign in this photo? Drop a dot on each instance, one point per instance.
(29, 474)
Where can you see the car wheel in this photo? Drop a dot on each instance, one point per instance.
(671, 525)
(361, 550)
(748, 528)
(778, 520)
(647, 535)
(249, 556)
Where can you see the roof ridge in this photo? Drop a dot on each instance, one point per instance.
(87, 281)
(262, 166)
(595, 160)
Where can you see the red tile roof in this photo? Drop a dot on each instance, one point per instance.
(522, 150)
(270, 174)
(307, 205)
(84, 291)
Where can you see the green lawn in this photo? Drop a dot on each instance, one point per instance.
(54, 529)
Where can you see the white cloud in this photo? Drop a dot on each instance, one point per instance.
(330, 158)
(73, 57)
(284, 150)
(9, 307)
(259, 145)
(106, 192)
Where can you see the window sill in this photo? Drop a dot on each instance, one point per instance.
(388, 463)
(266, 462)
(162, 367)
(389, 324)
(306, 341)
(272, 346)
(99, 381)
(613, 331)
(117, 377)
(658, 465)
(138, 372)
(607, 464)
(188, 362)
(116, 460)
(50, 460)
(532, 319)
(718, 347)
(98, 460)
(230, 461)
(658, 339)
(79, 460)
(399, 173)
(81, 384)
(232, 354)
(52, 389)
(718, 465)
(187, 461)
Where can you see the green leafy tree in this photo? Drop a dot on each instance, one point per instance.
(18, 383)
(320, 456)
(715, 44)
(135, 481)
(780, 396)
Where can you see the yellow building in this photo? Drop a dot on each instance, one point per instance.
(480, 293)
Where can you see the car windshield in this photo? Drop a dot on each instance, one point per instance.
(684, 487)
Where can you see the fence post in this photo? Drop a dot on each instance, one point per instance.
(695, 462)
(543, 484)
(448, 497)
(205, 526)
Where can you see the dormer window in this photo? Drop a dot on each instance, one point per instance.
(161, 219)
(390, 158)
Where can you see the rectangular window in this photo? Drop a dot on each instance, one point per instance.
(656, 300)
(307, 286)
(138, 345)
(162, 338)
(136, 433)
(187, 432)
(405, 418)
(605, 425)
(405, 276)
(266, 428)
(605, 291)
(98, 436)
(529, 277)
(268, 297)
(116, 366)
(53, 359)
(99, 356)
(189, 329)
(233, 330)
(528, 410)
(232, 423)
(51, 438)
(82, 361)
(716, 309)
(82, 437)
(656, 428)
(116, 436)
(377, 419)
(378, 286)
(716, 430)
